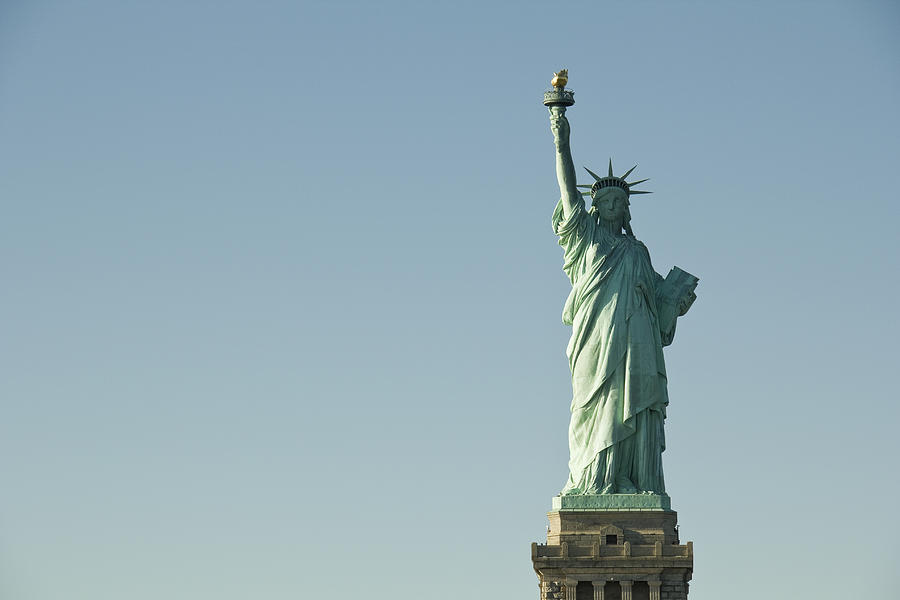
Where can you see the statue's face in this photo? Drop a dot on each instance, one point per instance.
(611, 203)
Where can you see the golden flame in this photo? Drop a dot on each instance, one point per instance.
(560, 79)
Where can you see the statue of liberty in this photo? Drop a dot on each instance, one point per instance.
(622, 313)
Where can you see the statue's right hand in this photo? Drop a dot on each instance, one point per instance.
(559, 125)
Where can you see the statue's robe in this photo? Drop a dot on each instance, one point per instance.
(616, 436)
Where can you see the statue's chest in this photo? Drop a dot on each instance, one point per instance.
(604, 248)
(619, 258)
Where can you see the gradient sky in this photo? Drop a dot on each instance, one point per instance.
(281, 302)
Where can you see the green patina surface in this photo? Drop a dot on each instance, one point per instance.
(612, 502)
(622, 313)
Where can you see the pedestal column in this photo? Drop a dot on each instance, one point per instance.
(654, 589)
(599, 588)
(626, 589)
(571, 587)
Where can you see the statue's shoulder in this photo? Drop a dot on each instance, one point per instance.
(638, 246)
(630, 239)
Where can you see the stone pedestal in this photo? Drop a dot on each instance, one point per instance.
(597, 552)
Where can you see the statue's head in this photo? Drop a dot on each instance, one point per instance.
(610, 197)
(610, 203)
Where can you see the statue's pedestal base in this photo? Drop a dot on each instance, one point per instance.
(628, 553)
(613, 502)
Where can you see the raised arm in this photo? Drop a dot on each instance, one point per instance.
(565, 168)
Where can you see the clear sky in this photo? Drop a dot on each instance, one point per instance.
(281, 302)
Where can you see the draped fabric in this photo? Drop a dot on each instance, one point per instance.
(619, 397)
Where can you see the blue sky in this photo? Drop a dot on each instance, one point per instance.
(282, 303)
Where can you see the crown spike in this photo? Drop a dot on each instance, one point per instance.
(638, 192)
(627, 173)
(585, 186)
(639, 181)
(585, 193)
(594, 175)
(610, 168)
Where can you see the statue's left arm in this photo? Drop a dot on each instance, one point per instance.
(674, 296)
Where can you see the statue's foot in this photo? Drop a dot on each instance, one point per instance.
(626, 487)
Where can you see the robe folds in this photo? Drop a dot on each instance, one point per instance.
(619, 396)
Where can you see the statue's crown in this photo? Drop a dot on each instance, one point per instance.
(612, 181)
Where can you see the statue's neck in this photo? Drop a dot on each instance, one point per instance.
(611, 227)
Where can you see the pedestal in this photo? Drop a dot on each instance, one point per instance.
(613, 548)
